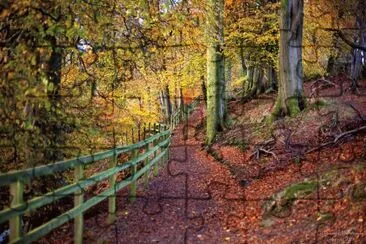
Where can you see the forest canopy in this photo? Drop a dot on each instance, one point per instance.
(89, 71)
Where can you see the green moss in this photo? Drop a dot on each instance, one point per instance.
(281, 202)
(359, 192)
(359, 168)
(241, 144)
(277, 110)
(293, 106)
(329, 176)
(325, 217)
(318, 104)
(300, 189)
(284, 4)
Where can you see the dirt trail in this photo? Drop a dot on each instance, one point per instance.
(196, 199)
(185, 203)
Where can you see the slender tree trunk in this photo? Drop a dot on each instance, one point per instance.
(176, 100)
(254, 82)
(53, 127)
(228, 75)
(162, 102)
(259, 81)
(181, 98)
(248, 80)
(269, 79)
(244, 68)
(356, 66)
(215, 68)
(204, 89)
(222, 96)
(290, 99)
(179, 102)
(167, 102)
(273, 78)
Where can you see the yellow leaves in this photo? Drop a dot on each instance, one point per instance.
(4, 14)
(228, 2)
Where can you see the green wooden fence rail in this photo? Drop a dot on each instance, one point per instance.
(146, 155)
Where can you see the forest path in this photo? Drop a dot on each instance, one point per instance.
(193, 199)
(196, 199)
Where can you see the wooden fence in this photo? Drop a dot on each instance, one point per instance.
(146, 156)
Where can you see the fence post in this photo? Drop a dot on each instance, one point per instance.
(156, 166)
(132, 134)
(144, 132)
(167, 148)
(127, 142)
(16, 193)
(139, 133)
(112, 184)
(146, 175)
(78, 200)
(133, 184)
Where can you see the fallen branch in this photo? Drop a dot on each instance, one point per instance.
(259, 150)
(337, 138)
(321, 86)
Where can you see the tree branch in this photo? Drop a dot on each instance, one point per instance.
(341, 35)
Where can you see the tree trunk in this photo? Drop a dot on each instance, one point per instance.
(180, 98)
(215, 68)
(222, 96)
(204, 89)
(176, 100)
(167, 102)
(254, 84)
(53, 126)
(228, 75)
(162, 102)
(261, 85)
(248, 80)
(244, 68)
(290, 100)
(269, 79)
(356, 66)
(273, 78)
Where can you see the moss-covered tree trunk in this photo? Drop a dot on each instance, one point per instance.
(215, 68)
(254, 82)
(228, 75)
(222, 96)
(269, 79)
(249, 79)
(290, 100)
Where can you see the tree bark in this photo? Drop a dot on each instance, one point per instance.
(248, 80)
(167, 102)
(228, 75)
(204, 89)
(356, 66)
(53, 127)
(181, 99)
(215, 69)
(270, 79)
(244, 68)
(290, 100)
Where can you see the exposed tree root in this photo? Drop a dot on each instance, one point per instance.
(337, 138)
(319, 85)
